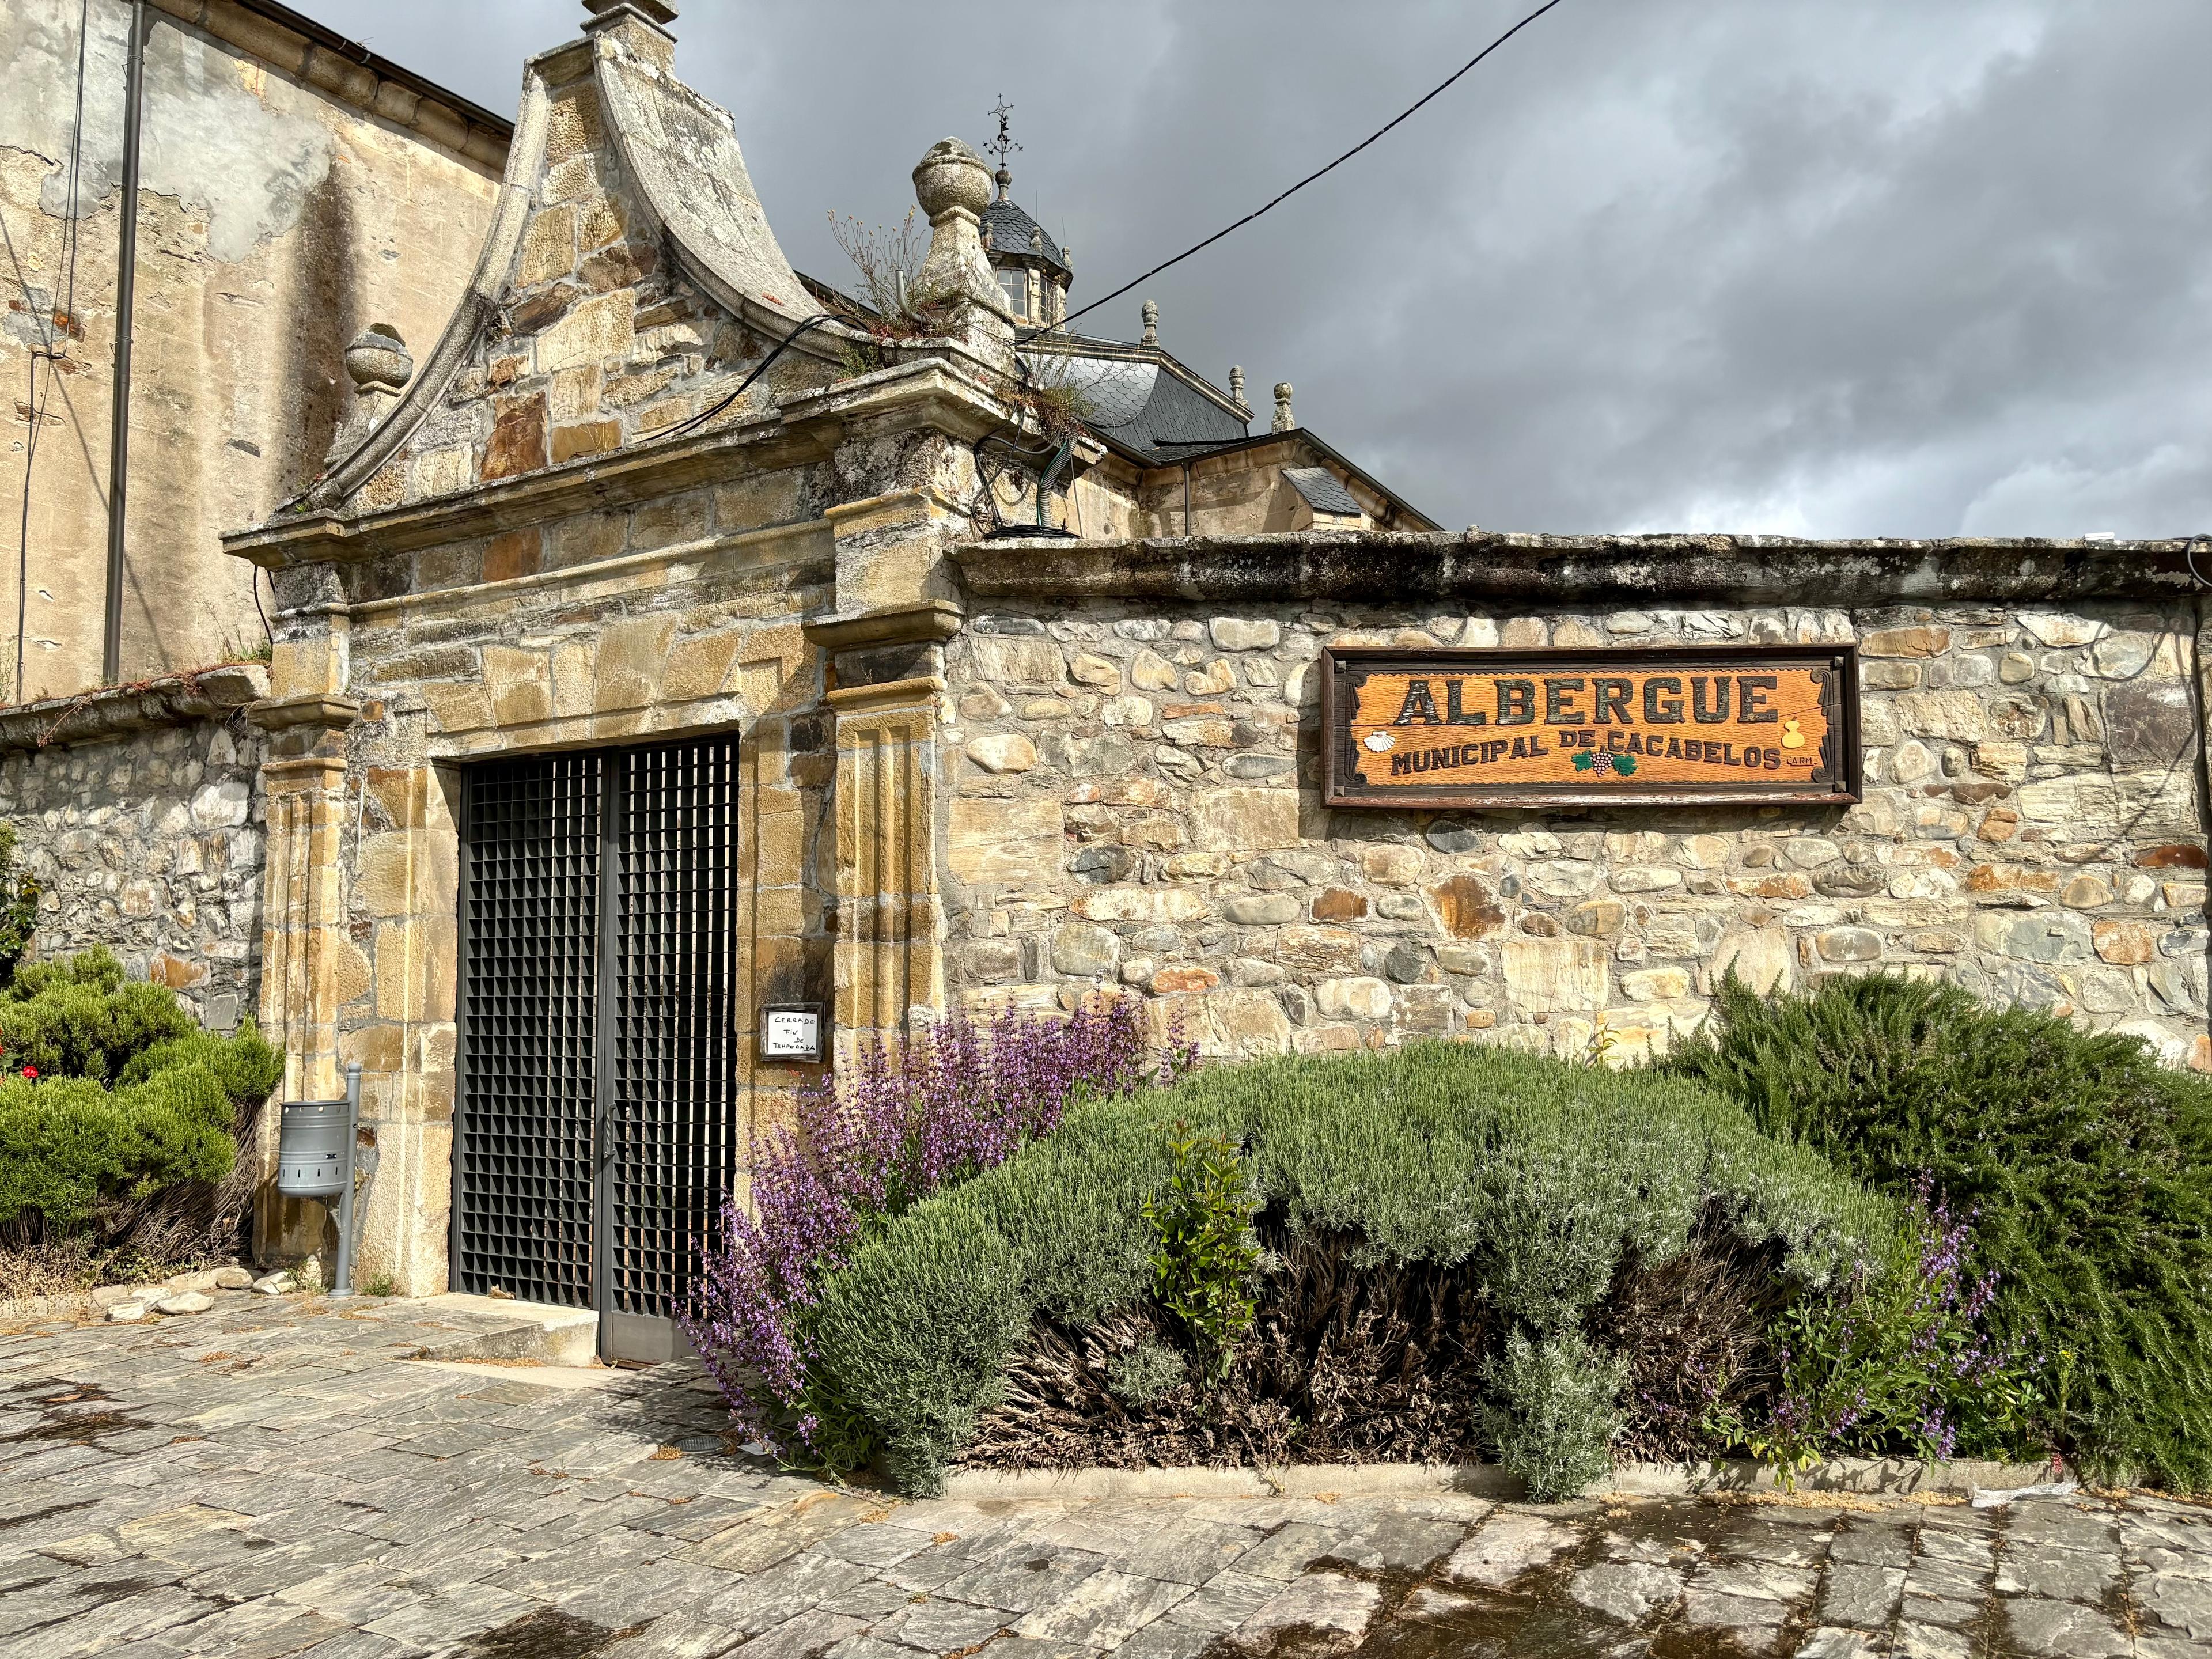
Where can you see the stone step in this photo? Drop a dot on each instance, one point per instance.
(496, 1328)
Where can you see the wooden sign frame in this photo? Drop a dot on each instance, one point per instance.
(1836, 780)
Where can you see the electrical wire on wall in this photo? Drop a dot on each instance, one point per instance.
(59, 311)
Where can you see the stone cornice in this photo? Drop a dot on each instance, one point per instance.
(327, 709)
(928, 393)
(891, 694)
(601, 577)
(1584, 572)
(173, 700)
(299, 47)
(932, 620)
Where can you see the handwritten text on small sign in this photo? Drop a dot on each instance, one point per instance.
(1701, 724)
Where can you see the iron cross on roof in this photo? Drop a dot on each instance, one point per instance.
(1003, 144)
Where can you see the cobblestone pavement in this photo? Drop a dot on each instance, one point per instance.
(265, 1479)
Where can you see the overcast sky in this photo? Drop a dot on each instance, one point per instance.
(1828, 267)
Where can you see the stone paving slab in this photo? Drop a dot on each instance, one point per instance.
(276, 1477)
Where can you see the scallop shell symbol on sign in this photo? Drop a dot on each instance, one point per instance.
(1380, 742)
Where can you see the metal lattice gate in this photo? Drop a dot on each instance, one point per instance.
(596, 1126)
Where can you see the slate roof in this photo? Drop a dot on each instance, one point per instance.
(1321, 490)
(1010, 229)
(1140, 405)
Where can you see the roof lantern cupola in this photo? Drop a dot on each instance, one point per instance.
(1033, 271)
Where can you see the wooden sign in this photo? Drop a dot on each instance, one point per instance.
(1676, 725)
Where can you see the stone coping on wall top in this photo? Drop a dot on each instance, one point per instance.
(1889, 1477)
(1526, 570)
(203, 694)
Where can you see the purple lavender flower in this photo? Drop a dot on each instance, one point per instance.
(895, 1127)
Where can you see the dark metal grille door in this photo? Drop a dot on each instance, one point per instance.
(522, 1151)
(674, 1056)
(600, 1057)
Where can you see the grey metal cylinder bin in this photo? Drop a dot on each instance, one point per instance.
(310, 1149)
(315, 1141)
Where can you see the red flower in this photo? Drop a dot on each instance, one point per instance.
(32, 1072)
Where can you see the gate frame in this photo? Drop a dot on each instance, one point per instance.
(643, 1339)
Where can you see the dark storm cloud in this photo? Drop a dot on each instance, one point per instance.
(1834, 266)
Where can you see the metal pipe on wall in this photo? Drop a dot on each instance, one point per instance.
(126, 271)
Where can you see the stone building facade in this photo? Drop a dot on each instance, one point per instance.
(295, 188)
(654, 507)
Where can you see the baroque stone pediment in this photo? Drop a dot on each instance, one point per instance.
(629, 282)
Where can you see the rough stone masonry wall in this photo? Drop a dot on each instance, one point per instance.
(149, 843)
(1137, 805)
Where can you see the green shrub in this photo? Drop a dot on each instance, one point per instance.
(67, 1143)
(1203, 1264)
(97, 968)
(2089, 1164)
(1540, 1177)
(80, 1018)
(247, 1067)
(1552, 1416)
(129, 1096)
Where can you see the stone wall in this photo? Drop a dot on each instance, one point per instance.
(1137, 805)
(146, 839)
(291, 196)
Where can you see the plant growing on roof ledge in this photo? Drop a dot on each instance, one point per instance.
(895, 306)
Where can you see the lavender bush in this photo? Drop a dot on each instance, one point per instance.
(1901, 1362)
(902, 1124)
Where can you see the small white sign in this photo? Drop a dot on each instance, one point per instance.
(791, 1034)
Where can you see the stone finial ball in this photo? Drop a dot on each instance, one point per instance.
(1282, 392)
(378, 357)
(951, 176)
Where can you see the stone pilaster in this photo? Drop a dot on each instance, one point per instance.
(886, 643)
(302, 901)
(406, 887)
(889, 959)
(304, 950)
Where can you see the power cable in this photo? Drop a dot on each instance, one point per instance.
(1310, 177)
(77, 164)
(56, 315)
(59, 312)
(745, 384)
(23, 533)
